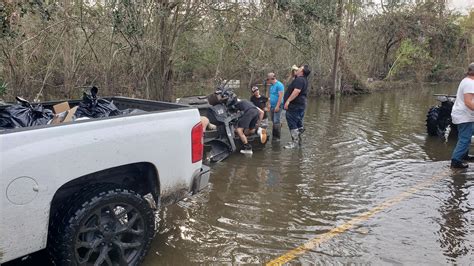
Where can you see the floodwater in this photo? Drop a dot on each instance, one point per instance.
(357, 153)
(366, 168)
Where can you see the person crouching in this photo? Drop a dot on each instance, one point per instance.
(247, 123)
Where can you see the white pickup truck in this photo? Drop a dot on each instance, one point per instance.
(86, 190)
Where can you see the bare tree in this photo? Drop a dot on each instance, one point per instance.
(337, 48)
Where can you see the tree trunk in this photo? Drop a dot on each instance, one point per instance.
(167, 83)
(163, 88)
(262, 45)
(68, 52)
(336, 52)
(350, 22)
(219, 61)
(441, 7)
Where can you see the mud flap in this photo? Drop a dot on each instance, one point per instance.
(201, 179)
(219, 151)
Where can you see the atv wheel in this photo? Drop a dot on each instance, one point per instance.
(432, 121)
(438, 123)
(104, 226)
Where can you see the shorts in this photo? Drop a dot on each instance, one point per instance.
(249, 119)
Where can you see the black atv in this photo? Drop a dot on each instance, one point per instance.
(218, 107)
(438, 119)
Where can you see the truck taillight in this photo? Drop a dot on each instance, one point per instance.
(196, 143)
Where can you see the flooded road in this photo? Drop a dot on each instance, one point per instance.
(357, 154)
(367, 186)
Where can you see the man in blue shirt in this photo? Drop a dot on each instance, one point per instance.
(276, 104)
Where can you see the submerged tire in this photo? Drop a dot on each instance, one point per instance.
(103, 226)
(432, 121)
(438, 120)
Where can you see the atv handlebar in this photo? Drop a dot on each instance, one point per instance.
(446, 95)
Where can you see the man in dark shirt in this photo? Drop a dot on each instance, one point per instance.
(295, 104)
(261, 102)
(247, 122)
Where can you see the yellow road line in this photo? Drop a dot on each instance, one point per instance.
(311, 244)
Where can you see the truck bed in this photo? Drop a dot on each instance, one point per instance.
(122, 103)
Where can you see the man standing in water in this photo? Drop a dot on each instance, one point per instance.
(463, 117)
(276, 101)
(295, 104)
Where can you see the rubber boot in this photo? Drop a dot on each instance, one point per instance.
(300, 133)
(295, 139)
(276, 132)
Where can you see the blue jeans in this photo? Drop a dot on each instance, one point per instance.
(276, 117)
(294, 118)
(464, 141)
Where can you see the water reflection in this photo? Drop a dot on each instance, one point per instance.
(437, 149)
(456, 215)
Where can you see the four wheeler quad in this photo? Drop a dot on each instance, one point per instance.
(219, 109)
(438, 119)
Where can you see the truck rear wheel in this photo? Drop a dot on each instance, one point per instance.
(103, 226)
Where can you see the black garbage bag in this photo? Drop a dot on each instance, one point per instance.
(94, 107)
(24, 114)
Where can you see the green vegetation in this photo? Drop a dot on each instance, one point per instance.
(164, 49)
(410, 58)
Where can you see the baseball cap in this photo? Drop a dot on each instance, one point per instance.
(294, 67)
(254, 88)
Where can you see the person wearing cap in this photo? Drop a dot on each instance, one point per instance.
(295, 104)
(462, 116)
(261, 102)
(292, 75)
(276, 103)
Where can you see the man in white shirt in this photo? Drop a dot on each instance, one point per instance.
(463, 117)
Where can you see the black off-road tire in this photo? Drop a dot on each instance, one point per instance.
(98, 220)
(437, 121)
(432, 121)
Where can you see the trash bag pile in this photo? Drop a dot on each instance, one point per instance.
(94, 107)
(25, 114)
